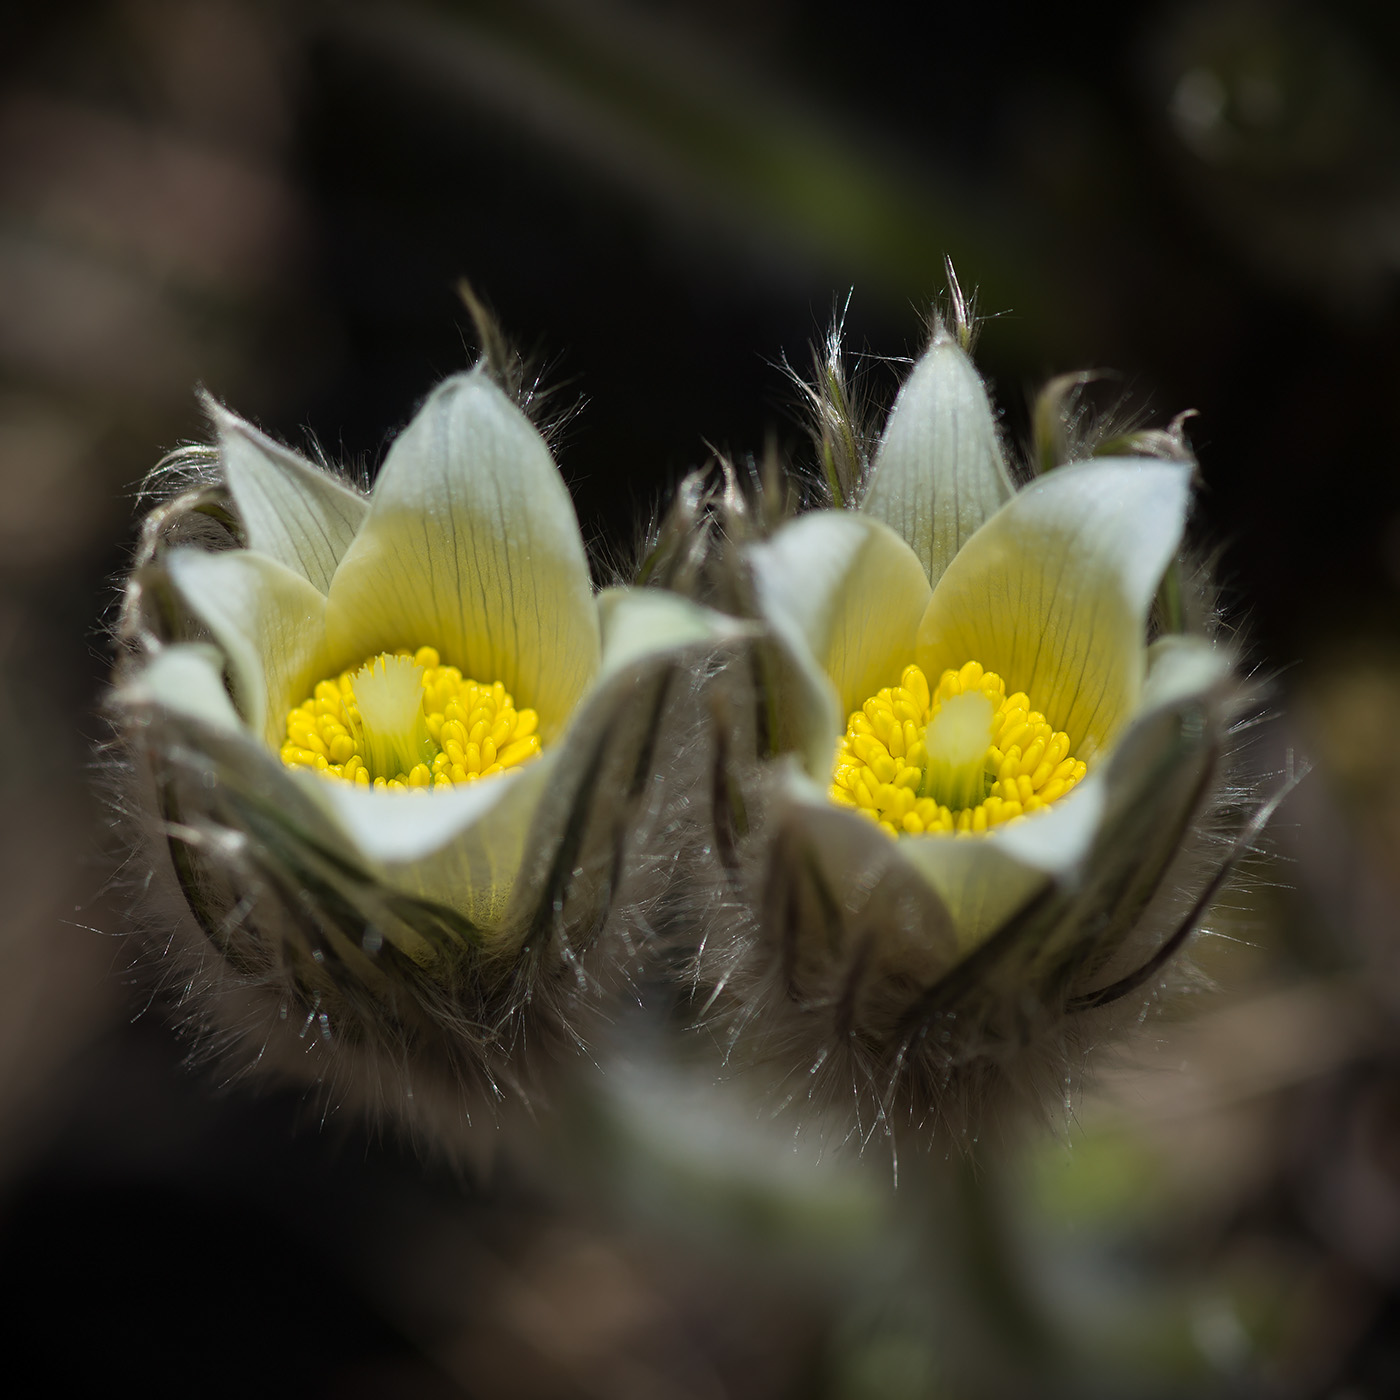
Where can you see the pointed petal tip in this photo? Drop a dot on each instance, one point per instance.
(643, 622)
(227, 423)
(475, 386)
(186, 679)
(939, 474)
(211, 406)
(472, 545)
(293, 510)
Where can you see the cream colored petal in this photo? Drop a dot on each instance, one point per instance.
(1155, 784)
(844, 595)
(1053, 592)
(984, 881)
(646, 622)
(292, 511)
(231, 797)
(212, 773)
(398, 827)
(1181, 669)
(487, 849)
(187, 680)
(938, 474)
(841, 899)
(269, 622)
(1123, 821)
(1097, 854)
(462, 848)
(472, 546)
(1157, 771)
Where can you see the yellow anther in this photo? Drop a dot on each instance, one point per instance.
(415, 734)
(914, 763)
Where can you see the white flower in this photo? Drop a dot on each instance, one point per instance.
(999, 776)
(443, 931)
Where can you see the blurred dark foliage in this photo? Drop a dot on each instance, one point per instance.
(660, 201)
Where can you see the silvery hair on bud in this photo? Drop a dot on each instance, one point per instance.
(273, 957)
(835, 1013)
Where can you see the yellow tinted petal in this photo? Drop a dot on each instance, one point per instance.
(938, 473)
(472, 545)
(851, 591)
(268, 621)
(291, 510)
(1053, 592)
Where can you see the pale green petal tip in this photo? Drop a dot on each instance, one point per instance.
(186, 680)
(470, 409)
(842, 595)
(292, 511)
(938, 473)
(642, 622)
(797, 603)
(849, 591)
(474, 391)
(1182, 668)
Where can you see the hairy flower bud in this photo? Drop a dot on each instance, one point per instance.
(998, 791)
(389, 750)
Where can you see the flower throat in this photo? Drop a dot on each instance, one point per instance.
(404, 720)
(966, 757)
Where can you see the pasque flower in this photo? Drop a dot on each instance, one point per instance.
(999, 806)
(393, 744)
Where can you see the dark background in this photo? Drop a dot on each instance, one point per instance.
(661, 201)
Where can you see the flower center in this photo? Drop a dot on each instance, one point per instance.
(404, 720)
(966, 758)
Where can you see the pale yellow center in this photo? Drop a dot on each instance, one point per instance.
(404, 720)
(965, 758)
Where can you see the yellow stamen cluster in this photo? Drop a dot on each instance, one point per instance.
(902, 768)
(460, 730)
